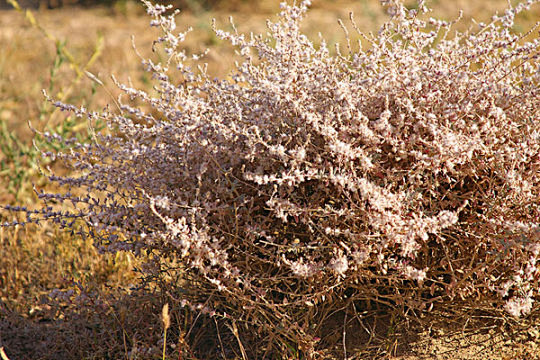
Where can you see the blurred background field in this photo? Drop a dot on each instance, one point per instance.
(50, 49)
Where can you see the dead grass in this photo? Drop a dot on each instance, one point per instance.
(34, 261)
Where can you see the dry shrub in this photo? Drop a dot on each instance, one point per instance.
(309, 182)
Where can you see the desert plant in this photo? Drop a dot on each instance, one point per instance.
(310, 183)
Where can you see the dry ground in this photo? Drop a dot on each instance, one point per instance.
(35, 261)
